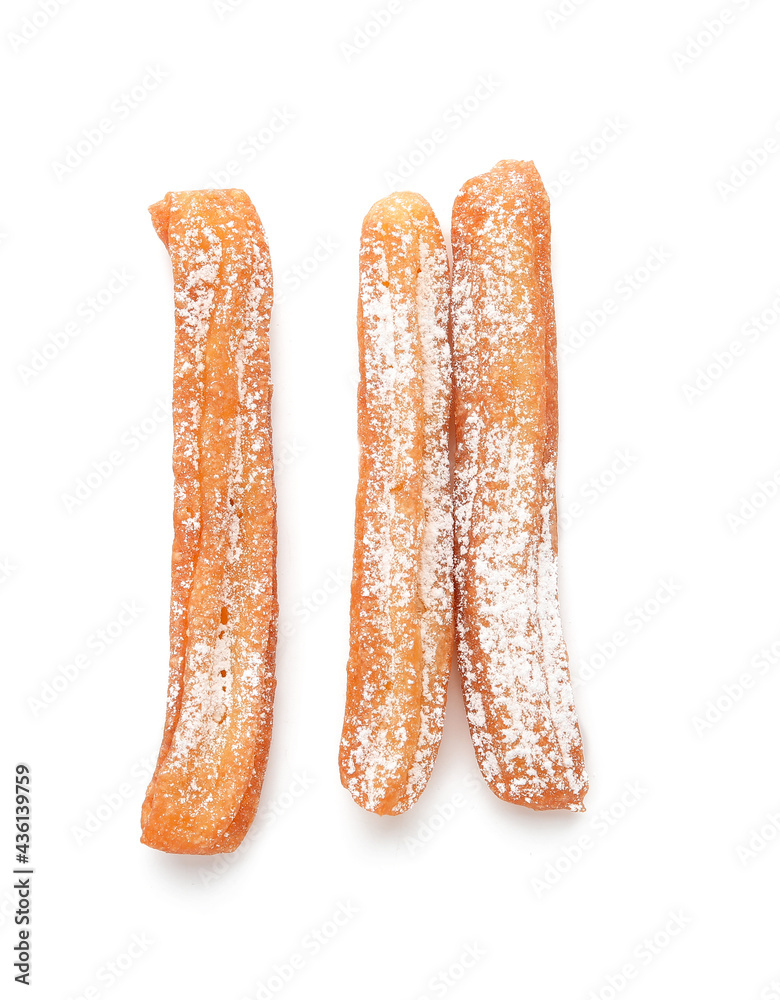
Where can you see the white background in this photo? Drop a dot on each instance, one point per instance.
(461, 870)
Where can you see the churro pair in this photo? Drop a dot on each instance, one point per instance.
(509, 641)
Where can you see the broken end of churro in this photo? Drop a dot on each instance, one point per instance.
(559, 795)
(160, 212)
(235, 201)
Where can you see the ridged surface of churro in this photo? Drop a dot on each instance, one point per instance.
(510, 646)
(401, 608)
(204, 791)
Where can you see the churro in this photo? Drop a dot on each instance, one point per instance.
(510, 646)
(204, 792)
(401, 610)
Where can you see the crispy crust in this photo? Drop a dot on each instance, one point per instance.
(204, 791)
(401, 612)
(510, 645)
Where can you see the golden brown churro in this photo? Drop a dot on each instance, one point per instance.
(510, 644)
(205, 788)
(401, 615)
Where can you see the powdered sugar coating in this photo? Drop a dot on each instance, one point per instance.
(401, 630)
(509, 639)
(223, 597)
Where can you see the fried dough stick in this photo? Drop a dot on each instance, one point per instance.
(510, 646)
(204, 792)
(401, 612)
